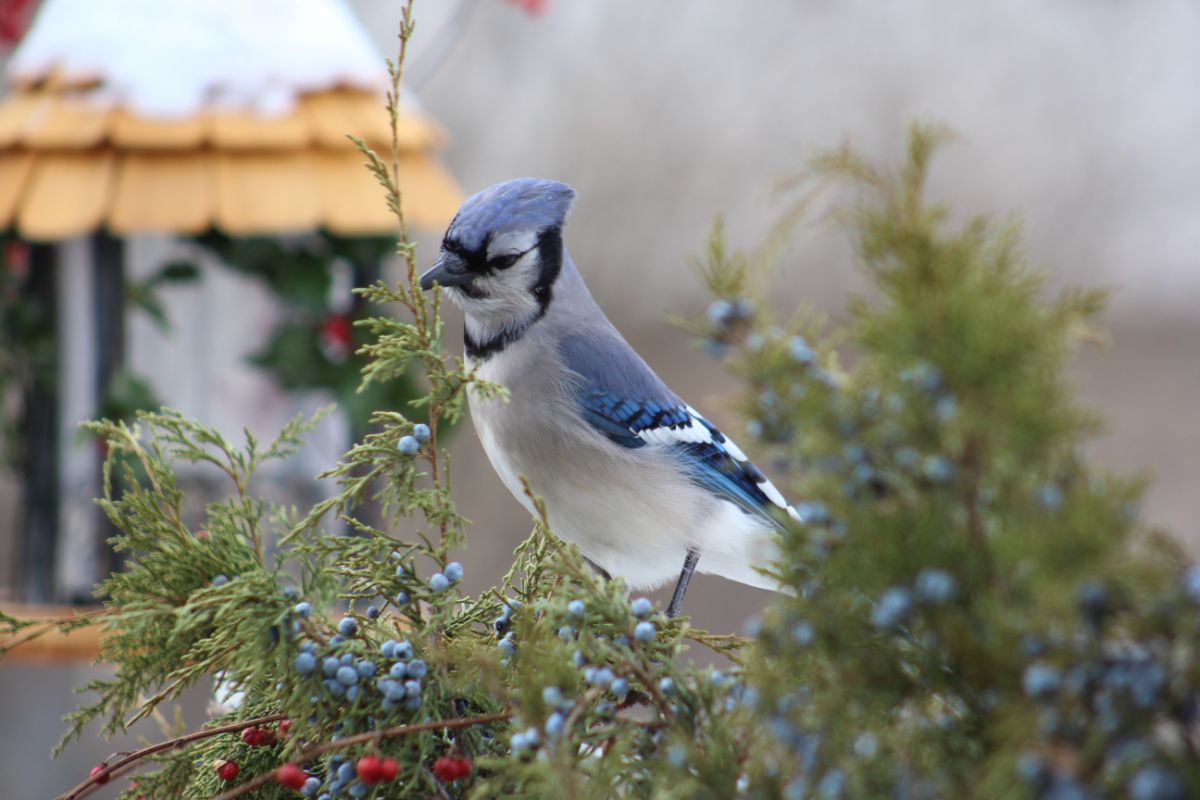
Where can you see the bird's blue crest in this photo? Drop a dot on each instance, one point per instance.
(516, 205)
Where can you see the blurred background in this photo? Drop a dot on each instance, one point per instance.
(184, 222)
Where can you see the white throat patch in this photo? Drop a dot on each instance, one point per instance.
(508, 302)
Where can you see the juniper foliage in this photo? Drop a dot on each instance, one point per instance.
(978, 611)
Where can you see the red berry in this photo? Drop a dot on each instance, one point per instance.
(227, 770)
(451, 768)
(370, 769)
(203, 534)
(445, 769)
(290, 776)
(389, 768)
(285, 727)
(257, 737)
(96, 770)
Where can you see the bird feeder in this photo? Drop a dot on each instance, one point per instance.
(182, 116)
(177, 116)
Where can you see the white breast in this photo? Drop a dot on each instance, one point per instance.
(632, 512)
(509, 474)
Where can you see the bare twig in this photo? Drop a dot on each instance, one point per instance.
(130, 760)
(364, 738)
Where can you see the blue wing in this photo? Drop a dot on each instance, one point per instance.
(623, 420)
(623, 399)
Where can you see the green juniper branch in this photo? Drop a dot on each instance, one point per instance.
(13, 627)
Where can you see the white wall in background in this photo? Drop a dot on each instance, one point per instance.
(1079, 116)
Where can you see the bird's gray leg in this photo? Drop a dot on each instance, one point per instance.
(685, 577)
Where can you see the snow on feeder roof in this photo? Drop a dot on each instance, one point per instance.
(181, 115)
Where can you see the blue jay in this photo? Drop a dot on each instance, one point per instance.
(634, 476)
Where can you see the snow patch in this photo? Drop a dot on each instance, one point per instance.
(170, 58)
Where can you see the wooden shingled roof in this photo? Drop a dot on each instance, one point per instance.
(69, 165)
(183, 115)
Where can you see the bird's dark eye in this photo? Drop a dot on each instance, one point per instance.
(504, 261)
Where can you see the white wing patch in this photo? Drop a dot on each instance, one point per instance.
(697, 430)
(773, 494)
(693, 431)
(734, 450)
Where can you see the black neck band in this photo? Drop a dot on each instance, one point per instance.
(550, 255)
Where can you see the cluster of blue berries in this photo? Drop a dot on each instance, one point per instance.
(783, 377)
(932, 587)
(403, 684)
(824, 531)
(924, 377)
(410, 444)
(867, 470)
(525, 741)
(875, 454)
(718, 692)
(502, 625)
(724, 314)
(441, 581)
(816, 775)
(1150, 782)
(1101, 694)
(438, 582)
(351, 673)
(607, 681)
(342, 777)
(643, 631)
(1111, 696)
(397, 682)
(406, 579)
(1050, 497)
(727, 318)
(737, 694)
(932, 393)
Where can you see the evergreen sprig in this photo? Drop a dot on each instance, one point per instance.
(977, 611)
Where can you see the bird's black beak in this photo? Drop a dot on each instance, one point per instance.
(449, 270)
